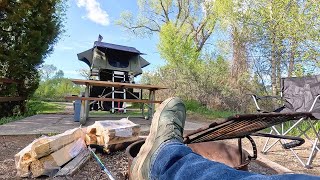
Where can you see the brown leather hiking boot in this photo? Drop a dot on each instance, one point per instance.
(167, 124)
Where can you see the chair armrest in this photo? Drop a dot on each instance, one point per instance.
(267, 97)
(314, 102)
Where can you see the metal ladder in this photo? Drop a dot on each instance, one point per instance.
(122, 76)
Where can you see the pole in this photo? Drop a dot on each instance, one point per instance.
(101, 165)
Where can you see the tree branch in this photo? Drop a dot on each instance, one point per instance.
(165, 12)
(133, 28)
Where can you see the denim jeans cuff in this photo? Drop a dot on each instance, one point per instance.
(161, 147)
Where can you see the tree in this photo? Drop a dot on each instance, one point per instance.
(29, 30)
(195, 16)
(286, 34)
(47, 71)
(85, 73)
(59, 74)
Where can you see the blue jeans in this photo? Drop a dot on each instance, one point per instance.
(174, 160)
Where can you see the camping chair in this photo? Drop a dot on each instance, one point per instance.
(299, 95)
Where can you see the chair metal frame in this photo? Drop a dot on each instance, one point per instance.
(284, 132)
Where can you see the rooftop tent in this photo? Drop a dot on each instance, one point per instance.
(114, 57)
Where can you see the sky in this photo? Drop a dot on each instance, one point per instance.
(86, 19)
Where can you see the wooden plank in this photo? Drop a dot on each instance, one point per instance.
(23, 159)
(54, 143)
(116, 84)
(110, 99)
(48, 165)
(7, 99)
(9, 81)
(75, 164)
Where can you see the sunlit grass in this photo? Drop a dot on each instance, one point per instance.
(42, 107)
(194, 107)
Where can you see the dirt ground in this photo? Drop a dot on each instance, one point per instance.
(116, 162)
(287, 159)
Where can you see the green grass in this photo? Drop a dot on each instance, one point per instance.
(35, 107)
(194, 107)
(42, 107)
(6, 120)
(295, 131)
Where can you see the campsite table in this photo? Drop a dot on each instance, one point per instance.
(84, 112)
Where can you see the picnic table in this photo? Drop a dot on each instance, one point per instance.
(84, 112)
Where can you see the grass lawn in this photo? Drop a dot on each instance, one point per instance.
(42, 107)
(36, 107)
(195, 108)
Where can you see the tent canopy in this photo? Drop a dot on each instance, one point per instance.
(114, 57)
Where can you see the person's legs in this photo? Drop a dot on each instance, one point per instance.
(167, 125)
(175, 160)
(164, 156)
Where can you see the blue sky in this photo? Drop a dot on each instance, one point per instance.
(86, 19)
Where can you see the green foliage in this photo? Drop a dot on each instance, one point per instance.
(177, 49)
(28, 31)
(194, 107)
(56, 89)
(42, 107)
(6, 120)
(262, 41)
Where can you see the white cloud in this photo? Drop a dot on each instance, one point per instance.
(94, 11)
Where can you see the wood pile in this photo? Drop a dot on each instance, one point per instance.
(49, 153)
(112, 134)
(63, 154)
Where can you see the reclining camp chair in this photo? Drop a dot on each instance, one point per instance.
(245, 126)
(299, 95)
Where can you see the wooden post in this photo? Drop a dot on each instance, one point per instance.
(84, 107)
(151, 105)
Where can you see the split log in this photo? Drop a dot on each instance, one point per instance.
(45, 166)
(53, 143)
(100, 140)
(91, 139)
(115, 132)
(51, 163)
(75, 164)
(23, 159)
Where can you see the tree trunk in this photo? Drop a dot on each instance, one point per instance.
(291, 60)
(239, 63)
(278, 61)
(273, 66)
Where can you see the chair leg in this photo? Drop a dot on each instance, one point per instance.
(264, 151)
(312, 154)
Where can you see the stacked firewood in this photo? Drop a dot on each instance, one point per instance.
(46, 155)
(65, 153)
(112, 134)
